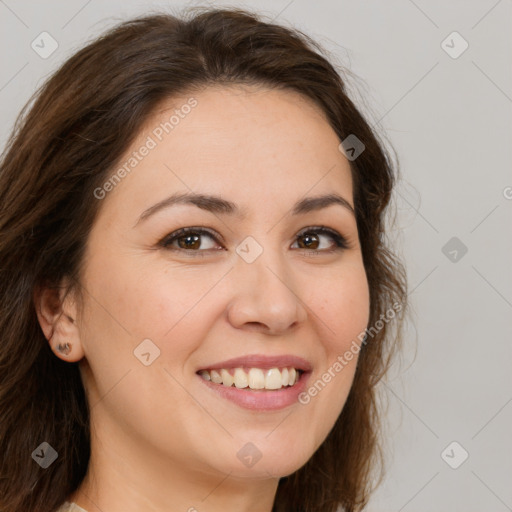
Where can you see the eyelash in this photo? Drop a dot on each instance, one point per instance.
(339, 240)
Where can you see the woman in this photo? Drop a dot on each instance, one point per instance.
(197, 300)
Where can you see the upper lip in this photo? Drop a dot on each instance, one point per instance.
(262, 361)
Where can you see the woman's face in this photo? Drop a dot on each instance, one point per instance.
(261, 285)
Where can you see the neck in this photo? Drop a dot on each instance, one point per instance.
(126, 474)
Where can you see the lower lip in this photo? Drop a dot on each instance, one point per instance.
(261, 399)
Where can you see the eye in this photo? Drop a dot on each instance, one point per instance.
(188, 239)
(312, 236)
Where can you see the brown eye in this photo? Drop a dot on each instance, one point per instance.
(188, 239)
(191, 240)
(311, 239)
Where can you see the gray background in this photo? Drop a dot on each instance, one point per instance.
(450, 121)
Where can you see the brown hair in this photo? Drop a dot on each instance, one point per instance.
(65, 144)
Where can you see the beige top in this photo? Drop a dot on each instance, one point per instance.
(70, 507)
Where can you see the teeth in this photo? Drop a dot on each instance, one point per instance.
(215, 377)
(241, 380)
(273, 379)
(227, 379)
(254, 378)
(205, 375)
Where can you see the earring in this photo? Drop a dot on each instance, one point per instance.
(64, 348)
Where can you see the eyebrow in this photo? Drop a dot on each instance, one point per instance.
(215, 204)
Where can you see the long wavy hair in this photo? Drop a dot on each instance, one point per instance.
(65, 144)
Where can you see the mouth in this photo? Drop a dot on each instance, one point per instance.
(258, 382)
(253, 378)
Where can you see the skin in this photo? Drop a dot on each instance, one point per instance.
(161, 440)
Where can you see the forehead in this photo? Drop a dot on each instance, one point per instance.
(245, 142)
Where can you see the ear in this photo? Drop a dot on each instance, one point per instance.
(57, 315)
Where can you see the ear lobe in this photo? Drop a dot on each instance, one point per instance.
(56, 314)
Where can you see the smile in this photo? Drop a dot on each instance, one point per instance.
(253, 378)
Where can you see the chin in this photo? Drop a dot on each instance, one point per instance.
(263, 471)
(270, 461)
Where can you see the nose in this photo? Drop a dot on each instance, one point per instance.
(265, 298)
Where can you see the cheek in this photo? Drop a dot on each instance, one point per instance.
(343, 307)
(177, 312)
(147, 300)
